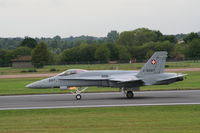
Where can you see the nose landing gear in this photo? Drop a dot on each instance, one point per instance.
(78, 97)
(78, 92)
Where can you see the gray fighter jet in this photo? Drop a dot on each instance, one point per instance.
(77, 80)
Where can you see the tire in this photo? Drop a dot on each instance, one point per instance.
(129, 95)
(78, 97)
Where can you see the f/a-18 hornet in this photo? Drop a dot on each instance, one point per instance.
(77, 80)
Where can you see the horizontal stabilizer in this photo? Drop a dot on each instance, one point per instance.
(174, 77)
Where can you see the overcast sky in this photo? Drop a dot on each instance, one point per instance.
(48, 18)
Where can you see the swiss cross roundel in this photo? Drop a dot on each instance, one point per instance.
(153, 61)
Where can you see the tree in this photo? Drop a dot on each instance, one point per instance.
(29, 42)
(70, 55)
(123, 53)
(158, 46)
(5, 57)
(87, 52)
(57, 38)
(149, 54)
(138, 52)
(179, 51)
(55, 42)
(164, 46)
(193, 50)
(114, 52)
(40, 55)
(112, 36)
(102, 53)
(10, 43)
(138, 37)
(170, 38)
(191, 36)
(22, 51)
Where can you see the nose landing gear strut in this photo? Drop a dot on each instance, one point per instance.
(78, 92)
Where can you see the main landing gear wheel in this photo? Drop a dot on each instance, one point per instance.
(78, 97)
(129, 94)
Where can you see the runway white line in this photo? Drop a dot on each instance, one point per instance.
(41, 95)
(98, 106)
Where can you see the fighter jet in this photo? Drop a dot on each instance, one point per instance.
(77, 80)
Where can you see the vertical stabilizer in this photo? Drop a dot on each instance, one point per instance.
(155, 65)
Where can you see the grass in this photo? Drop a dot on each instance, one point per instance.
(60, 68)
(147, 119)
(17, 86)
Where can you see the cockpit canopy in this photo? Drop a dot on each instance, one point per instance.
(71, 71)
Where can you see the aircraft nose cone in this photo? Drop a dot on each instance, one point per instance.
(32, 85)
(39, 84)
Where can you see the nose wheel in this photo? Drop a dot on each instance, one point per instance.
(78, 97)
(78, 92)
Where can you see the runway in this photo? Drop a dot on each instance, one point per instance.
(142, 98)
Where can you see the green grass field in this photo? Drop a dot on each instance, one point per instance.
(17, 86)
(60, 68)
(147, 119)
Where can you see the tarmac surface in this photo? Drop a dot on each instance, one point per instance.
(115, 99)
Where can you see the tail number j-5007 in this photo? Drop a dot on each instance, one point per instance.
(148, 70)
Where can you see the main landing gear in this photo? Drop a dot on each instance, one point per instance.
(128, 92)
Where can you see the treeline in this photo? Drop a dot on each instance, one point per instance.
(55, 42)
(138, 44)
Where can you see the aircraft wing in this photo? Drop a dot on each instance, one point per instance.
(82, 78)
(120, 79)
(125, 79)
